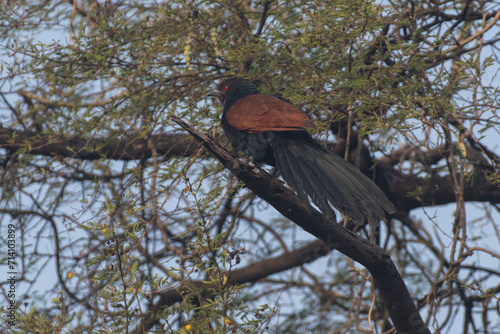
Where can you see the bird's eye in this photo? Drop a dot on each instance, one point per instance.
(225, 88)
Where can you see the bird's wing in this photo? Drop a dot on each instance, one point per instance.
(257, 113)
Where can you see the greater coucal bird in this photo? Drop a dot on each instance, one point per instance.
(272, 131)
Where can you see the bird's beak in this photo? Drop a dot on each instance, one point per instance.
(214, 93)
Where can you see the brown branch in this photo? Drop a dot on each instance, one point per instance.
(263, 18)
(474, 36)
(409, 192)
(410, 152)
(96, 148)
(433, 191)
(389, 282)
(59, 103)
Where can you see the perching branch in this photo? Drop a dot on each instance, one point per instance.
(389, 282)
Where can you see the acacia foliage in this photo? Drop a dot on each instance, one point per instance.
(159, 236)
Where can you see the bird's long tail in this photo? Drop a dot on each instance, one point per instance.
(328, 179)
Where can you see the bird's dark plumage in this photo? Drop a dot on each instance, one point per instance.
(272, 131)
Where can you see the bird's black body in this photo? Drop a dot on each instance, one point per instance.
(256, 145)
(271, 131)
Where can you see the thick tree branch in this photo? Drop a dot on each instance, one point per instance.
(436, 191)
(409, 192)
(96, 148)
(389, 282)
